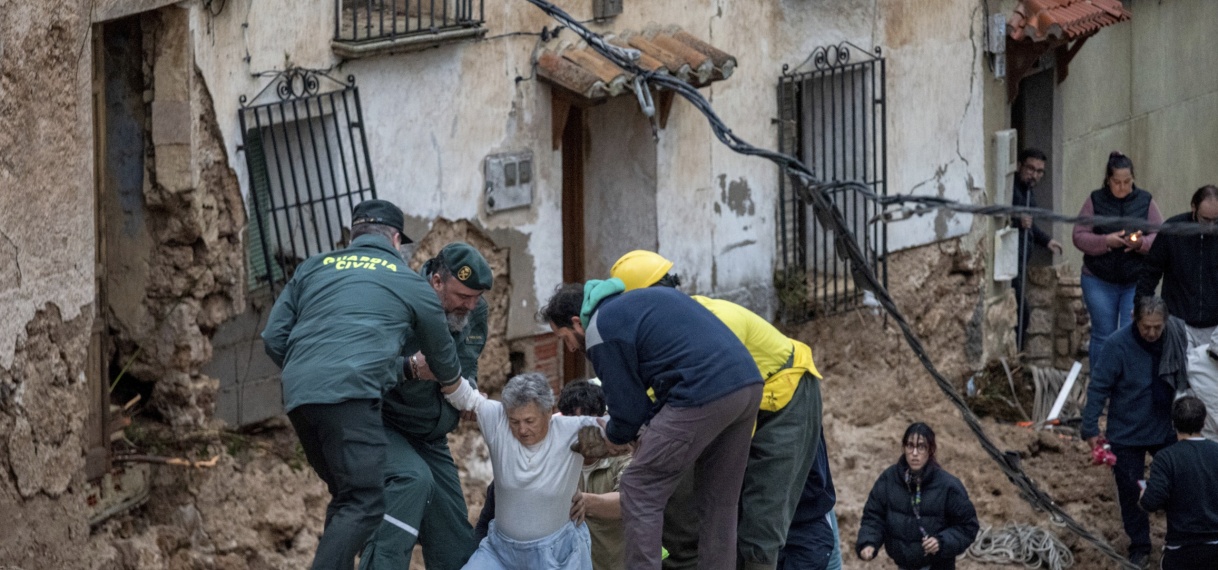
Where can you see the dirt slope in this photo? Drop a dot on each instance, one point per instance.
(874, 387)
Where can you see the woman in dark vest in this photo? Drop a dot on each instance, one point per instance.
(1113, 257)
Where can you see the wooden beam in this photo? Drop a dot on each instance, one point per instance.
(1064, 56)
(560, 108)
(665, 106)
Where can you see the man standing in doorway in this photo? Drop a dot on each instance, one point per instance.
(1031, 170)
(337, 330)
(423, 498)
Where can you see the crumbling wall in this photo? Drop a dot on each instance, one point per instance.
(260, 507)
(42, 415)
(195, 218)
(46, 279)
(1059, 327)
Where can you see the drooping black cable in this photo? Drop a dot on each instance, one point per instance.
(814, 192)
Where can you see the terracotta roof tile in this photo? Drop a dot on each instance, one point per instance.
(1040, 20)
(671, 51)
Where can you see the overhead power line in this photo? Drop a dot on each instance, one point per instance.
(814, 192)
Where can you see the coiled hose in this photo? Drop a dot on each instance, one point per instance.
(1031, 545)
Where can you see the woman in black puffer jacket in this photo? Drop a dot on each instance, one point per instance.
(918, 512)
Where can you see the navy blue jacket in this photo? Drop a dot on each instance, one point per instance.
(1139, 401)
(660, 338)
(945, 513)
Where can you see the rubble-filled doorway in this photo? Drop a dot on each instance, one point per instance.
(119, 115)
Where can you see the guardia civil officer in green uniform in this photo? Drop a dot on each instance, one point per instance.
(338, 330)
(423, 498)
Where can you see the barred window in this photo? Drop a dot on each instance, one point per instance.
(308, 163)
(833, 119)
(369, 27)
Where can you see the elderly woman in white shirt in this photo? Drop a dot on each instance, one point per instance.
(538, 525)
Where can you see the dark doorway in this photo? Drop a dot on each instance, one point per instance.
(1032, 117)
(574, 364)
(119, 115)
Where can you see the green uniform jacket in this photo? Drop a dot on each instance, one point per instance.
(338, 327)
(416, 408)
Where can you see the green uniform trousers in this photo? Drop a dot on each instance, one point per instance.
(780, 456)
(424, 504)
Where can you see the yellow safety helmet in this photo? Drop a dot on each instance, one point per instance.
(640, 268)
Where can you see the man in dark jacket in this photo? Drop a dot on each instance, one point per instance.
(1139, 411)
(424, 502)
(707, 390)
(1184, 482)
(1031, 170)
(1188, 266)
(337, 329)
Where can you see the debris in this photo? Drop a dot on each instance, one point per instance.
(179, 461)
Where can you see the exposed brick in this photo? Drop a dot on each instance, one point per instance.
(545, 346)
(1041, 321)
(1042, 276)
(1039, 346)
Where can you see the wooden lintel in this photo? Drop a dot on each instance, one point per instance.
(560, 107)
(562, 100)
(1022, 57)
(1065, 55)
(665, 106)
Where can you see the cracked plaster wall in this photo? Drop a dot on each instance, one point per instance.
(46, 280)
(431, 163)
(937, 80)
(46, 206)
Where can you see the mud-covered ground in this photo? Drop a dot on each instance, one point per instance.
(874, 387)
(261, 507)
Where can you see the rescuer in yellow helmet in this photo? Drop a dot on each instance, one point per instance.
(787, 435)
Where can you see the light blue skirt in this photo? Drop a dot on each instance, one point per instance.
(568, 548)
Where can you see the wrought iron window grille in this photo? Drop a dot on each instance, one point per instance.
(306, 152)
(359, 21)
(833, 117)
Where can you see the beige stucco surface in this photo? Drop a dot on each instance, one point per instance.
(1149, 88)
(46, 243)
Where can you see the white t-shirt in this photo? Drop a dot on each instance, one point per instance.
(1203, 379)
(533, 484)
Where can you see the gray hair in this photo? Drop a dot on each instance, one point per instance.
(1149, 305)
(528, 388)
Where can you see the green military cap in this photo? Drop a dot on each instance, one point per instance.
(379, 212)
(466, 264)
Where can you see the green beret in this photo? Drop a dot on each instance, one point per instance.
(379, 212)
(467, 265)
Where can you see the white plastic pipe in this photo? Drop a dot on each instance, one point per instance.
(1065, 391)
